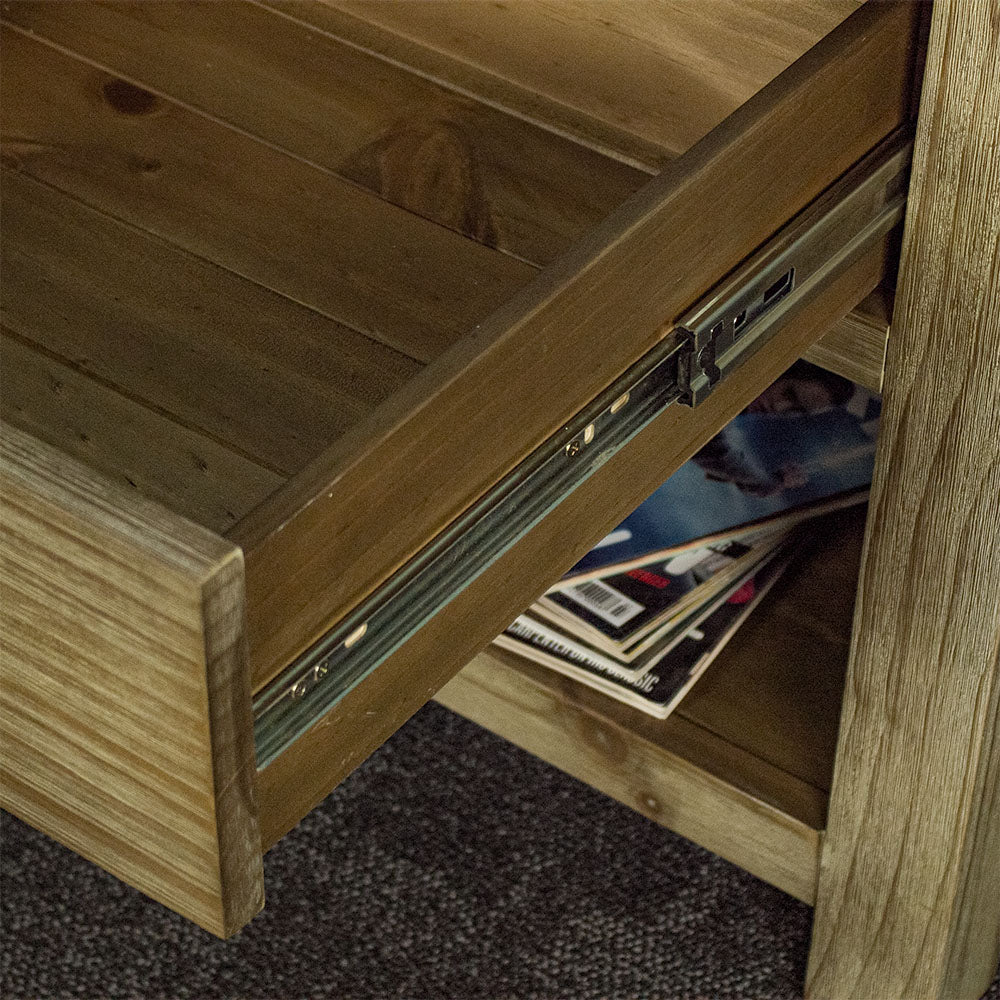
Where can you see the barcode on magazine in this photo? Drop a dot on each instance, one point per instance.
(604, 601)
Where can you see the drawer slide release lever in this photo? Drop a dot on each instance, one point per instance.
(742, 312)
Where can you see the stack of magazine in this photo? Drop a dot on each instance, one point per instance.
(649, 608)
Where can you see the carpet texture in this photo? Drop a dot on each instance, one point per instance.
(451, 866)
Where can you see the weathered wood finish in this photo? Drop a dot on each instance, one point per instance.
(298, 779)
(245, 205)
(138, 448)
(460, 77)
(276, 382)
(676, 773)
(385, 487)
(909, 898)
(125, 707)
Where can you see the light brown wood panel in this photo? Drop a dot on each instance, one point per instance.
(269, 378)
(909, 901)
(377, 495)
(855, 347)
(138, 448)
(301, 776)
(269, 216)
(776, 691)
(674, 772)
(125, 706)
(494, 177)
(666, 70)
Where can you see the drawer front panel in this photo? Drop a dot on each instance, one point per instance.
(125, 714)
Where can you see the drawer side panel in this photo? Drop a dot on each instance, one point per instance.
(124, 708)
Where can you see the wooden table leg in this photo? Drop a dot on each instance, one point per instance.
(909, 893)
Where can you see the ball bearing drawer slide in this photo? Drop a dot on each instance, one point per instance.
(744, 310)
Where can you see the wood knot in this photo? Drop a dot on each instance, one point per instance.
(128, 99)
(428, 167)
(603, 740)
(648, 804)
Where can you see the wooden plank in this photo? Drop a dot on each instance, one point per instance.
(139, 449)
(491, 176)
(664, 71)
(226, 357)
(300, 777)
(908, 901)
(855, 347)
(672, 772)
(476, 82)
(374, 498)
(125, 708)
(777, 694)
(253, 209)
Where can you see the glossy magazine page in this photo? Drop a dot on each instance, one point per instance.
(650, 652)
(616, 612)
(804, 447)
(659, 691)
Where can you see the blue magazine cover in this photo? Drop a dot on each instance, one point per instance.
(804, 446)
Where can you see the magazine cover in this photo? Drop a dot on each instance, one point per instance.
(806, 445)
(615, 612)
(644, 657)
(660, 691)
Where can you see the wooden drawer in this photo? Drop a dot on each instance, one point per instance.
(289, 289)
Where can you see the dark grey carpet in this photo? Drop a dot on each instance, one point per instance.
(452, 866)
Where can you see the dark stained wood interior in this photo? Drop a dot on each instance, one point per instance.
(232, 230)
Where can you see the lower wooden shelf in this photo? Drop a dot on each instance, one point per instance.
(744, 766)
(855, 345)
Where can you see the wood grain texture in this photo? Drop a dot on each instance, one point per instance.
(476, 82)
(139, 449)
(855, 347)
(242, 204)
(667, 72)
(261, 375)
(674, 772)
(376, 496)
(493, 177)
(125, 710)
(909, 900)
(305, 773)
